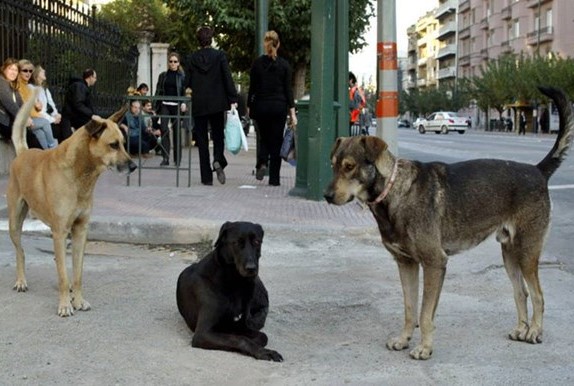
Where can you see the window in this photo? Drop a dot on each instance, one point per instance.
(549, 18)
(516, 28)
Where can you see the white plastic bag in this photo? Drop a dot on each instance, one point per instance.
(233, 131)
(244, 140)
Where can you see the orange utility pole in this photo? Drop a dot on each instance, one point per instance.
(388, 97)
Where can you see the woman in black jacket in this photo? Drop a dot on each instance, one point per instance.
(10, 100)
(270, 99)
(213, 92)
(171, 83)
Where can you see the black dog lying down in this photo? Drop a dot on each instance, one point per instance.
(222, 298)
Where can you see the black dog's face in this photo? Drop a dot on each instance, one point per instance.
(239, 243)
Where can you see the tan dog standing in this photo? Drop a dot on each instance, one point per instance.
(57, 185)
(427, 212)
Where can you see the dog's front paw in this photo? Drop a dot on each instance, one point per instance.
(269, 355)
(20, 286)
(519, 332)
(80, 304)
(398, 343)
(65, 310)
(534, 335)
(421, 352)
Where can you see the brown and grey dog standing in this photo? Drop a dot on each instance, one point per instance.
(427, 212)
(57, 185)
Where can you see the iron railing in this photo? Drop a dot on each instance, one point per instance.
(66, 38)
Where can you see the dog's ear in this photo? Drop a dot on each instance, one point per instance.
(260, 232)
(118, 115)
(95, 126)
(222, 235)
(337, 144)
(374, 147)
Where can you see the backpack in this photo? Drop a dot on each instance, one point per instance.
(355, 113)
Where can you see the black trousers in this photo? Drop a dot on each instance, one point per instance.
(172, 111)
(200, 131)
(271, 128)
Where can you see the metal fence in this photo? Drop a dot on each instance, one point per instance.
(66, 38)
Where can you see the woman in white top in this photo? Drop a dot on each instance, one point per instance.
(49, 109)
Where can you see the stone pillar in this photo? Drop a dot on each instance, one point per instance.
(158, 62)
(144, 60)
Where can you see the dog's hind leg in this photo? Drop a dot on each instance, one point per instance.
(512, 266)
(17, 213)
(79, 237)
(409, 274)
(521, 261)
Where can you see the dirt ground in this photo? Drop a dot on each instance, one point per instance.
(335, 300)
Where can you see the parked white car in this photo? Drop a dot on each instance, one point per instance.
(443, 122)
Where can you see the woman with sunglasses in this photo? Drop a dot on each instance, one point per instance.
(171, 83)
(41, 127)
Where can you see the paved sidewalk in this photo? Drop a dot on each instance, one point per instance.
(158, 211)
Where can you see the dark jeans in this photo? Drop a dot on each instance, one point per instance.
(271, 127)
(148, 142)
(200, 132)
(165, 144)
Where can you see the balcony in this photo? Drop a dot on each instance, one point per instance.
(505, 47)
(422, 62)
(447, 72)
(535, 3)
(464, 60)
(448, 50)
(464, 6)
(506, 13)
(446, 29)
(543, 35)
(484, 53)
(464, 33)
(445, 8)
(484, 23)
(421, 82)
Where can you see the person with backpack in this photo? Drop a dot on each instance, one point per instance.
(356, 100)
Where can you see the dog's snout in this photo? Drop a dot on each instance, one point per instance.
(132, 166)
(329, 196)
(250, 268)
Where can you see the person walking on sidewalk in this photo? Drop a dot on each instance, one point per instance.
(171, 83)
(213, 93)
(270, 99)
(522, 124)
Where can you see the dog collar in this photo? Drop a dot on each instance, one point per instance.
(389, 185)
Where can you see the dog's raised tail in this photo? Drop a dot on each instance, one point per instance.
(565, 133)
(19, 126)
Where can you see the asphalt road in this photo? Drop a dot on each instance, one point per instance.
(334, 302)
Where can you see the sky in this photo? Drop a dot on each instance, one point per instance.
(408, 12)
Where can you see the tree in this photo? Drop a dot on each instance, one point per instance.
(234, 22)
(134, 16)
(515, 79)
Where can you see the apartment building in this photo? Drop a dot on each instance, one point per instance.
(447, 17)
(472, 32)
(425, 50)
